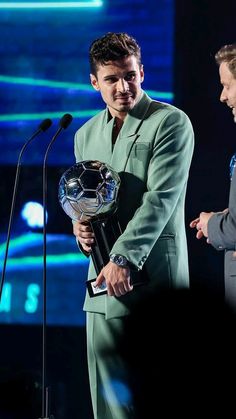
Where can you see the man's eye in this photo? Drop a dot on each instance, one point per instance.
(130, 77)
(111, 80)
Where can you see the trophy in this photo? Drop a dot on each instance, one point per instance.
(88, 191)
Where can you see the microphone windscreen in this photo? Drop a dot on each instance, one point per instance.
(65, 120)
(45, 124)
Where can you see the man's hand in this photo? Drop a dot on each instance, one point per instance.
(201, 223)
(84, 234)
(117, 279)
(195, 224)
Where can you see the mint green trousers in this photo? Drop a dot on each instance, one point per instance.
(108, 370)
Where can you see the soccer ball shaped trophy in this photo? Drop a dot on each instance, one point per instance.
(88, 191)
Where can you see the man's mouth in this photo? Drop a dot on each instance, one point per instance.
(233, 109)
(125, 97)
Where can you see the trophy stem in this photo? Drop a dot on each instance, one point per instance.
(106, 232)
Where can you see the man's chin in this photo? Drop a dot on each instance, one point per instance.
(125, 108)
(234, 114)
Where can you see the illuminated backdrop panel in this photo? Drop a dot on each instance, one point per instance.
(45, 73)
(44, 63)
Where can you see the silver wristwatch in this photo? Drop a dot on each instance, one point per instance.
(119, 260)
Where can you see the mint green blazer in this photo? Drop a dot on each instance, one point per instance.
(152, 156)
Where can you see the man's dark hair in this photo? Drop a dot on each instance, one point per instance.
(227, 54)
(112, 47)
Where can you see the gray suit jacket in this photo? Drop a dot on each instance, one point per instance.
(222, 235)
(152, 155)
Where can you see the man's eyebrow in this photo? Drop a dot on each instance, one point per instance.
(109, 76)
(116, 75)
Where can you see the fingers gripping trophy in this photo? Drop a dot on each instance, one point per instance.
(88, 191)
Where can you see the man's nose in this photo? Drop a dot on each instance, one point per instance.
(223, 96)
(122, 85)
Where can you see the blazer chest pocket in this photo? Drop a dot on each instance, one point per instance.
(139, 157)
(141, 149)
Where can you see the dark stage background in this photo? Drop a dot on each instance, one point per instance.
(44, 73)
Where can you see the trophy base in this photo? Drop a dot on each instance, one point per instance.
(95, 291)
(137, 279)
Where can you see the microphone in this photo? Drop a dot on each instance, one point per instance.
(43, 126)
(63, 124)
(65, 121)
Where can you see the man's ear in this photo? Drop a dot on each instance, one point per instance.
(94, 82)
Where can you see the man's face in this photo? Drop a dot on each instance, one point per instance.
(120, 84)
(228, 94)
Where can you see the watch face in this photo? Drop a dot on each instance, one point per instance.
(119, 260)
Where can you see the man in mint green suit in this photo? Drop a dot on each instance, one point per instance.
(150, 145)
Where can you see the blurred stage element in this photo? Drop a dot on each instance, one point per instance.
(22, 298)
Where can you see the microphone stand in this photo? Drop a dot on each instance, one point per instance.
(64, 123)
(45, 124)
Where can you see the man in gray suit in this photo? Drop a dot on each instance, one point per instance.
(220, 227)
(150, 145)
